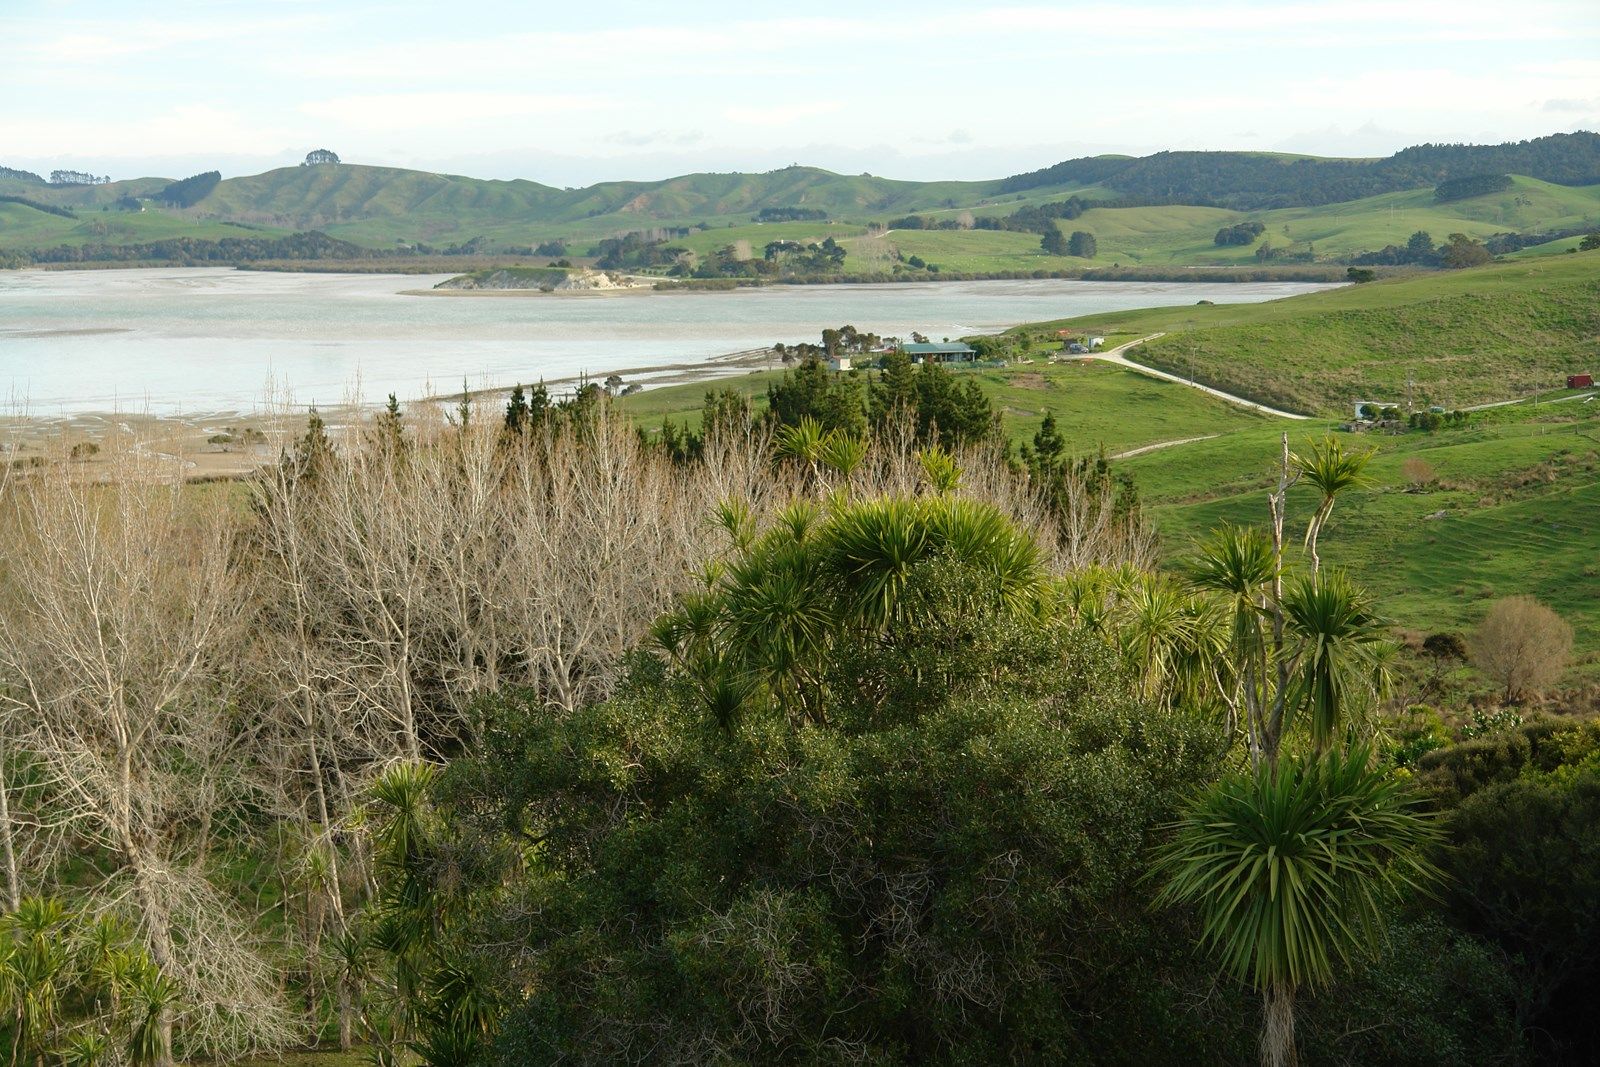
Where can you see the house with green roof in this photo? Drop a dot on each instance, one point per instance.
(946, 352)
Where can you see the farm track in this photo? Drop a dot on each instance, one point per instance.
(1115, 356)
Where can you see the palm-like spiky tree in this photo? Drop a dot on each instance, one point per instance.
(940, 469)
(1201, 668)
(149, 1042)
(37, 966)
(1330, 470)
(804, 441)
(1337, 638)
(407, 916)
(348, 953)
(103, 950)
(1290, 868)
(85, 1049)
(1239, 563)
(1154, 635)
(771, 621)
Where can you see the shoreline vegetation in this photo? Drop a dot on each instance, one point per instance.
(490, 264)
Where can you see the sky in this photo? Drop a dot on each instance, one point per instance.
(574, 93)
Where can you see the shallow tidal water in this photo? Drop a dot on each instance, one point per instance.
(216, 339)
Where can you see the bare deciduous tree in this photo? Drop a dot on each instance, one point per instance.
(121, 610)
(1522, 646)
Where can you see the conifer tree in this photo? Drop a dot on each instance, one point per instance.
(517, 412)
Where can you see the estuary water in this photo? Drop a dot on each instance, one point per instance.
(210, 339)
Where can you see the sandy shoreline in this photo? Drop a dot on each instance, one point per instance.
(562, 294)
(231, 443)
(650, 376)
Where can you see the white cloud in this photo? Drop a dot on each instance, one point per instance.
(177, 131)
(661, 89)
(1571, 104)
(640, 138)
(406, 111)
(780, 114)
(88, 43)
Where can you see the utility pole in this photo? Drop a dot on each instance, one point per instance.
(1411, 380)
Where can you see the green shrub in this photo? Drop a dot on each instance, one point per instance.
(901, 817)
(1420, 731)
(1461, 770)
(1435, 998)
(1524, 860)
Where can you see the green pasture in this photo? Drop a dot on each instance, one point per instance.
(26, 227)
(1463, 337)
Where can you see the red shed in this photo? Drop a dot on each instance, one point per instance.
(1580, 381)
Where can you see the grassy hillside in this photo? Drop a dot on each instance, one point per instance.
(1467, 337)
(381, 207)
(24, 227)
(1182, 235)
(1256, 180)
(1513, 507)
(1178, 235)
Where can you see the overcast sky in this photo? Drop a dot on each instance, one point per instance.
(574, 93)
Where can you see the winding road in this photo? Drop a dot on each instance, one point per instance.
(1115, 355)
(1142, 449)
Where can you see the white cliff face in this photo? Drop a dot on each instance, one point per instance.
(596, 279)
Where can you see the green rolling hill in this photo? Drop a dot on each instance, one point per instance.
(1162, 210)
(1463, 337)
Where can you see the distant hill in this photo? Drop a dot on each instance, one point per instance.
(330, 194)
(1140, 209)
(1253, 180)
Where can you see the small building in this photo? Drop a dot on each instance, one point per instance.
(838, 362)
(1580, 381)
(948, 352)
(1096, 342)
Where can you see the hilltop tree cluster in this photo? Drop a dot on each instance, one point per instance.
(635, 250)
(77, 177)
(190, 250)
(791, 214)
